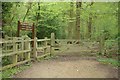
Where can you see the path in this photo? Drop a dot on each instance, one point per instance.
(69, 66)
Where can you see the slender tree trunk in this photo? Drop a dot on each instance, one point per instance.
(27, 10)
(77, 29)
(89, 25)
(70, 24)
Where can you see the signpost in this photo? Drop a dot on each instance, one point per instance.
(26, 27)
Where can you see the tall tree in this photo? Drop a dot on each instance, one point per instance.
(71, 20)
(89, 25)
(90, 22)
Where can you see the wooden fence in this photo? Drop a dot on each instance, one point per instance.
(19, 50)
(102, 46)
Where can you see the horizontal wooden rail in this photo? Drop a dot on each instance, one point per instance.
(11, 41)
(43, 47)
(40, 40)
(43, 55)
(81, 40)
(12, 65)
(66, 40)
(13, 53)
(72, 40)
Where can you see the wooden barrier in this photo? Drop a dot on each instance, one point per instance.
(17, 51)
(21, 50)
(52, 43)
(43, 47)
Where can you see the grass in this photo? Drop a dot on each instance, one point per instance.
(12, 71)
(111, 61)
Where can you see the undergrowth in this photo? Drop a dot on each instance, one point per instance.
(12, 71)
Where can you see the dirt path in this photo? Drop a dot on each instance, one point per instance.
(68, 67)
(72, 63)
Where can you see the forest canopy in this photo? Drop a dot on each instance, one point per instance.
(86, 20)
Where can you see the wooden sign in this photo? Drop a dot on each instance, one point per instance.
(26, 27)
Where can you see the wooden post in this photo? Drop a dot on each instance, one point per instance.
(33, 34)
(52, 43)
(18, 29)
(101, 44)
(22, 48)
(27, 47)
(35, 48)
(52, 39)
(45, 44)
(6, 38)
(14, 57)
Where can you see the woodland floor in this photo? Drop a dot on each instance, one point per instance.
(69, 66)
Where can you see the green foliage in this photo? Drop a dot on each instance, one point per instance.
(110, 43)
(12, 71)
(6, 61)
(55, 16)
(111, 61)
(44, 31)
(6, 7)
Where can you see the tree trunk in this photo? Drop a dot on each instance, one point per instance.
(89, 25)
(77, 31)
(71, 22)
(29, 6)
